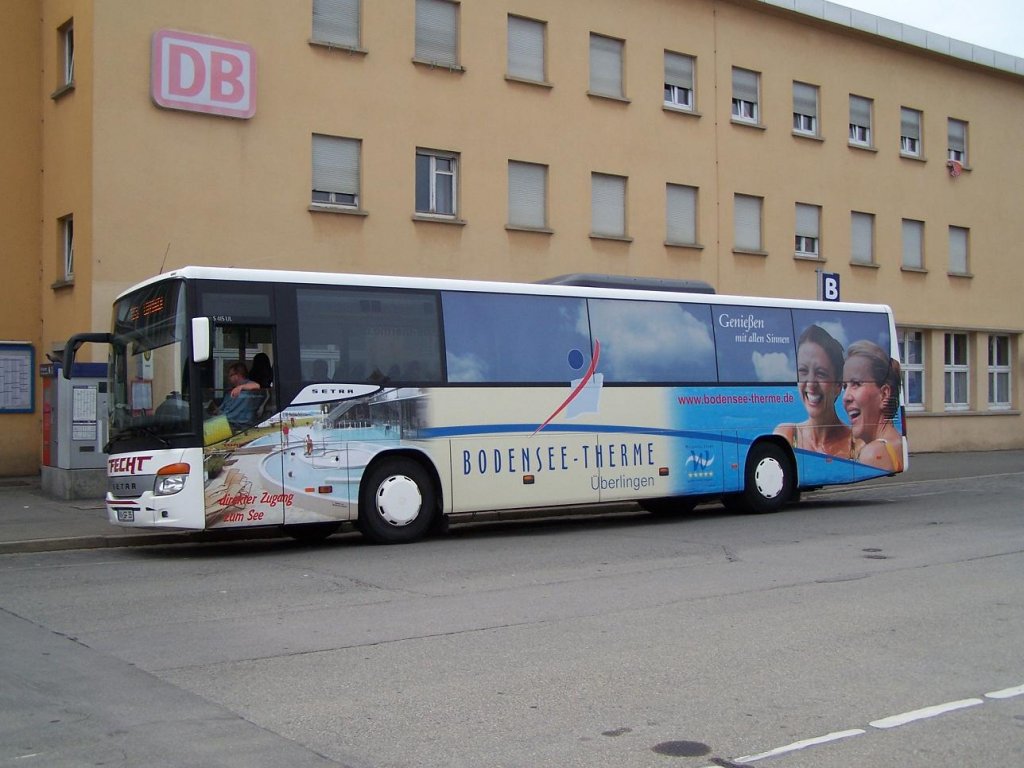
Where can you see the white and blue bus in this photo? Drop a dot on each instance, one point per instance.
(397, 403)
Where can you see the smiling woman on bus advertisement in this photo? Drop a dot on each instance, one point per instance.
(871, 398)
(819, 362)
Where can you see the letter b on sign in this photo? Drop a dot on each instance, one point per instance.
(828, 286)
(203, 74)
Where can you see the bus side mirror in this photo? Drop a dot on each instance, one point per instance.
(72, 345)
(202, 332)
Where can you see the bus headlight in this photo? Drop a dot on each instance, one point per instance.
(170, 479)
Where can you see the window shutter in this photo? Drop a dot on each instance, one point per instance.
(608, 205)
(526, 195)
(910, 123)
(807, 220)
(436, 22)
(861, 239)
(957, 135)
(679, 70)
(336, 22)
(744, 85)
(335, 165)
(525, 49)
(681, 214)
(805, 99)
(605, 66)
(747, 223)
(958, 250)
(860, 111)
(912, 244)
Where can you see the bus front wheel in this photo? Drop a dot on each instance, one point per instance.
(769, 479)
(398, 502)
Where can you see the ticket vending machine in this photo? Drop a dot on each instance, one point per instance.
(74, 431)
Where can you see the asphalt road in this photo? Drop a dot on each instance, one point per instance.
(877, 625)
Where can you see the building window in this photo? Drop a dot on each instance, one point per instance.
(745, 87)
(437, 33)
(336, 171)
(910, 132)
(957, 150)
(860, 121)
(436, 183)
(999, 370)
(526, 49)
(679, 81)
(606, 66)
(336, 22)
(862, 238)
(958, 250)
(527, 195)
(913, 244)
(911, 345)
(957, 372)
(680, 214)
(607, 205)
(747, 223)
(805, 109)
(67, 37)
(808, 226)
(67, 248)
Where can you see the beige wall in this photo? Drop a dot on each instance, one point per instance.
(20, 316)
(151, 187)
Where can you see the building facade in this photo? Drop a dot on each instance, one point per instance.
(738, 142)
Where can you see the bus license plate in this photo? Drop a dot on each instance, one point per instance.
(126, 515)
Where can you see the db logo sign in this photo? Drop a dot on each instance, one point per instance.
(203, 74)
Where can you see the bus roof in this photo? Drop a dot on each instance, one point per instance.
(243, 274)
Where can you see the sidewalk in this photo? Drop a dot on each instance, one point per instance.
(32, 522)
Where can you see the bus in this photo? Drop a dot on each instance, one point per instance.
(400, 403)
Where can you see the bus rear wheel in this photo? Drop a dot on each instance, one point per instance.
(769, 479)
(397, 503)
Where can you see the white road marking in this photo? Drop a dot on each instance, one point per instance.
(798, 745)
(894, 721)
(1006, 693)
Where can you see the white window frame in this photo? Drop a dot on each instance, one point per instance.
(912, 365)
(911, 144)
(747, 225)
(957, 371)
(67, 53)
(526, 57)
(607, 66)
(913, 244)
(862, 238)
(337, 23)
(746, 96)
(337, 162)
(860, 132)
(959, 250)
(1000, 371)
(805, 109)
(808, 231)
(680, 69)
(680, 214)
(67, 248)
(437, 33)
(608, 206)
(956, 135)
(527, 195)
(437, 175)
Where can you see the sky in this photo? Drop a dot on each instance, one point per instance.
(995, 24)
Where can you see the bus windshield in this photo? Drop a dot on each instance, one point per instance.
(149, 389)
